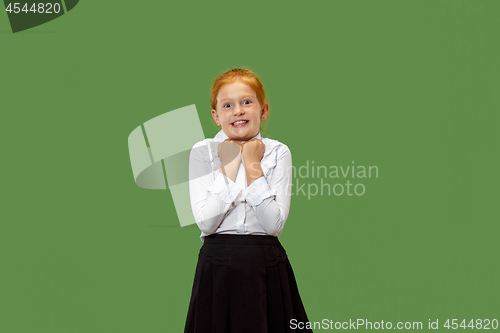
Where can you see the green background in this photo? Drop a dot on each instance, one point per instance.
(408, 86)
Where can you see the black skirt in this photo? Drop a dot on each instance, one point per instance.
(244, 283)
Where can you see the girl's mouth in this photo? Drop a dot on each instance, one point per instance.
(239, 123)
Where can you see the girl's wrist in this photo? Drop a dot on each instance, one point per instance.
(253, 171)
(251, 163)
(253, 176)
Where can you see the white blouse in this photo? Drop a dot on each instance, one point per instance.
(222, 206)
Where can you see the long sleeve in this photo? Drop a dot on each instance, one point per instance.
(211, 199)
(271, 201)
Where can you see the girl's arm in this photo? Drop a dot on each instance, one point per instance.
(271, 200)
(211, 199)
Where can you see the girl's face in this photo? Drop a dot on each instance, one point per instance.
(237, 101)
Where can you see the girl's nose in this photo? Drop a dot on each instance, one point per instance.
(238, 110)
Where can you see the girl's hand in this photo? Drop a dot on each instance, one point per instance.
(229, 151)
(230, 157)
(253, 151)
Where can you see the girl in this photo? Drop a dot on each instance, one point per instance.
(240, 190)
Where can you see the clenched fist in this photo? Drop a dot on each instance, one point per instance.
(252, 151)
(229, 151)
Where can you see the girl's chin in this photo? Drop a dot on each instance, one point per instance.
(240, 138)
(239, 135)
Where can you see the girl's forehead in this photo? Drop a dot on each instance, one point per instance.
(235, 89)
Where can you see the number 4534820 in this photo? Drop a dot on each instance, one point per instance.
(39, 8)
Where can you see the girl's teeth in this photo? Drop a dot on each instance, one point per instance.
(239, 122)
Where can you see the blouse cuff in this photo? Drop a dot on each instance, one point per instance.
(258, 191)
(224, 188)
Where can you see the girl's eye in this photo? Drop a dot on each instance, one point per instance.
(246, 102)
(227, 105)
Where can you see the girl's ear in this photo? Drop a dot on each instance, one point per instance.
(215, 115)
(265, 112)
